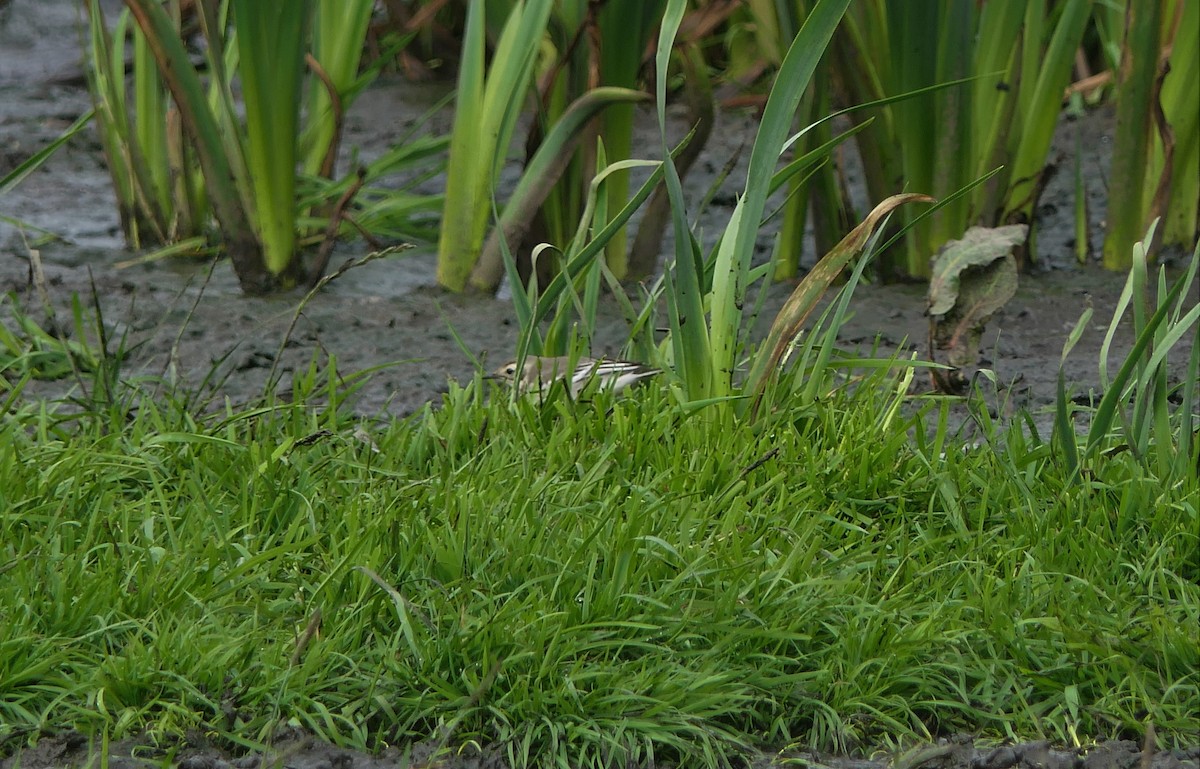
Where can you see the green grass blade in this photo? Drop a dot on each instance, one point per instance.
(541, 173)
(685, 302)
(733, 262)
(39, 158)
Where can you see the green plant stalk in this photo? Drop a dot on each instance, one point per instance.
(1135, 126)
(146, 137)
(1019, 64)
(151, 108)
(572, 63)
(1180, 99)
(271, 40)
(539, 177)
(886, 48)
(955, 135)
(339, 35)
(997, 51)
(996, 97)
(914, 59)
(485, 115)
(732, 268)
(460, 227)
(1040, 110)
(789, 245)
(1083, 244)
(1109, 18)
(624, 27)
(832, 214)
(774, 23)
(142, 220)
(860, 52)
(108, 101)
(647, 245)
(1033, 34)
(155, 204)
(222, 60)
(691, 354)
(239, 236)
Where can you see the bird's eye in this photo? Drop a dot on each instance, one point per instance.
(510, 369)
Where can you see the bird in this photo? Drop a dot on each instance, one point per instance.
(539, 374)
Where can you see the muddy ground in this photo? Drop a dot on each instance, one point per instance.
(392, 311)
(187, 321)
(297, 751)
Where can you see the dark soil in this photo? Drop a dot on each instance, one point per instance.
(188, 322)
(300, 751)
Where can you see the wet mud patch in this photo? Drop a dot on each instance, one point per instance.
(199, 329)
(203, 333)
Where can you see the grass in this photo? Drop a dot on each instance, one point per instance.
(585, 583)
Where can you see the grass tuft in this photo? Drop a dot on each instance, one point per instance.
(585, 583)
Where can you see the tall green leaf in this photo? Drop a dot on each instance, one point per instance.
(486, 112)
(271, 42)
(732, 270)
